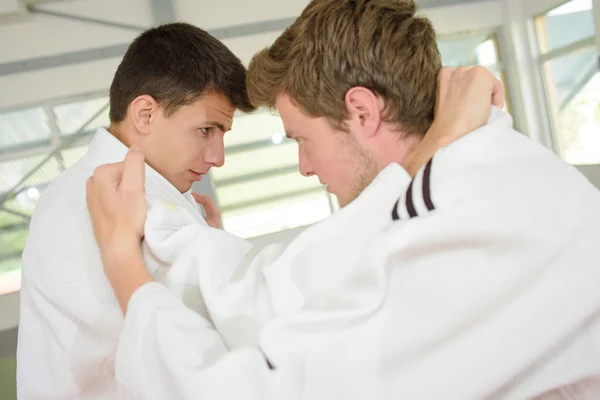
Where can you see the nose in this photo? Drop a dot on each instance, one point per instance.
(304, 165)
(214, 153)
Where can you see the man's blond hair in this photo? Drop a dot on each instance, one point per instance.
(339, 44)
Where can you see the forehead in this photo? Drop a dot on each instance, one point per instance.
(291, 115)
(285, 105)
(211, 106)
(296, 122)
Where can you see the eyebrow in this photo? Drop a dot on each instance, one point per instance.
(217, 124)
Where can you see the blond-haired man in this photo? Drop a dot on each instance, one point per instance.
(473, 277)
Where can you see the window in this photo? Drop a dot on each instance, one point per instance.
(260, 189)
(82, 115)
(569, 62)
(568, 24)
(20, 129)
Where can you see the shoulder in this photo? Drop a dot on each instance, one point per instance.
(494, 166)
(62, 200)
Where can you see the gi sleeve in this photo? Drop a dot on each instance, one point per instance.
(169, 352)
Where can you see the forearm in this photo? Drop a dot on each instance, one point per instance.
(126, 272)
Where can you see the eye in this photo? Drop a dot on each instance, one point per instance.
(206, 131)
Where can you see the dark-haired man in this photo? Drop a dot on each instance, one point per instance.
(174, 96)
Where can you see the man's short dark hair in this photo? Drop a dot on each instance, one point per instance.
(176, 64)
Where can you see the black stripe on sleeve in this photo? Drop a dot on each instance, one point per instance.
(410, 207)
(427, 186)
(395, 215)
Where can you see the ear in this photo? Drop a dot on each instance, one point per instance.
(364, 109)
(142, 109)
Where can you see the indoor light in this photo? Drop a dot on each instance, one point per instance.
(33, 193)
(277, 138)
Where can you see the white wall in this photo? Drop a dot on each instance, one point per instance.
(33, 88)
(222, 13)
(467, 17)
(43, 35)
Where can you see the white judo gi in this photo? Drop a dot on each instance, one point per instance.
(478, 279)
(70, 320)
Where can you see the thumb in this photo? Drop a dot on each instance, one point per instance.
(134, 170)
(200, 198)
(209, 206)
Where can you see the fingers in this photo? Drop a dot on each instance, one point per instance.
(455, 77)
(213, 215)
(205, 201)
(484, 75)
(498, 94)
(133, 170)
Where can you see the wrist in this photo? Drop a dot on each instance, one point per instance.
(119, 245)
(118, 254)
(126, 272)
(438, 136)
(419, 157)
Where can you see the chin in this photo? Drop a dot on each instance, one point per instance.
(183, 187)
(343, 202)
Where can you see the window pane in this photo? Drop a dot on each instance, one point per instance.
(12, 243)
(258, 160)
(72, 117)
(574, 94)
(101, 121)
(255, 190)
(8, 220)
(11, 172)
(564, 25)
(43, 175)
(276, 216)
(19, 128)
(469, 50)
(72, 155)
(567, 74)
(260, 189)
(249, 128)
(24, 202)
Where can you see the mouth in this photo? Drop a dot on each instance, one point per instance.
(196, 176)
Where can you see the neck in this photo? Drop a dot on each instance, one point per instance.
(122, 133)
(394, 150)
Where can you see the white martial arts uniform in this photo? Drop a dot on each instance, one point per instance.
(70, 320)
(481, 282)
